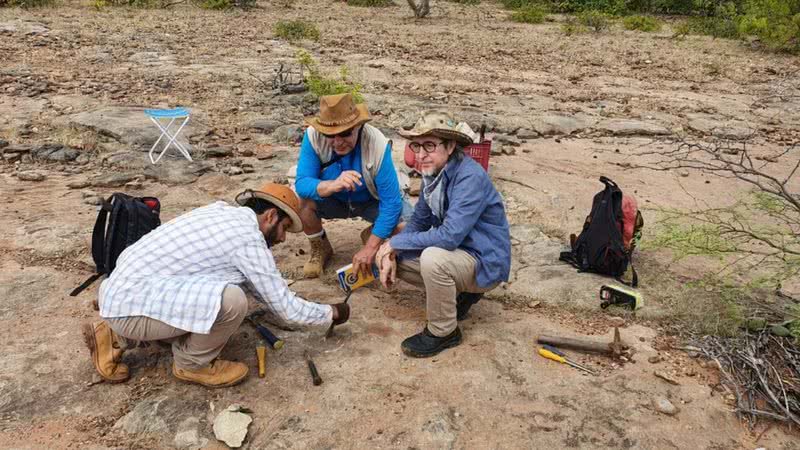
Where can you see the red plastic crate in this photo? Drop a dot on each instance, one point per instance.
(480, 152)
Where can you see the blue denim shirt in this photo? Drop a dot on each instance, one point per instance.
(474, 221)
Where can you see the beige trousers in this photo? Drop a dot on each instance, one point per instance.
(443, 274)
(189, 350)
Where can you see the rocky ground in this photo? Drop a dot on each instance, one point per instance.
(561, 112)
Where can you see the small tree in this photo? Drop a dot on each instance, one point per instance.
(421, 8)
(761, 231)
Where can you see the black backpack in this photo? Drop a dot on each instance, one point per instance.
(599, 248)
(130, 219)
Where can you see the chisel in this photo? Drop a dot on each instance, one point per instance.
(313, 369)
(555, 355)
(261, 354)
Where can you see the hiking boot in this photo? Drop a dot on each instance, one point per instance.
(464, 302)
(219, 373)
(106, 351)
(321, 252)
(424, 344)
(365, 234)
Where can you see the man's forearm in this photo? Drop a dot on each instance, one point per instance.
(326, 188)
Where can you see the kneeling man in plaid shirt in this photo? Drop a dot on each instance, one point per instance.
(183, 282)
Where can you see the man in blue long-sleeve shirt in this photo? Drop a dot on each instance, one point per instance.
(345, 170)
(457, 244)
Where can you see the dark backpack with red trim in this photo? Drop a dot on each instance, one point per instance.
(610, 234)
(121, 221)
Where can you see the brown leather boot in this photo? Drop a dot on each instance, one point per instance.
(321, 252)
(106, 352)
(219, 373)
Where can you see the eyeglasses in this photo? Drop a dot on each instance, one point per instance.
(344, 134)
(428, 146)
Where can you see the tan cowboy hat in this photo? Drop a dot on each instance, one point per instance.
(279, 195)
(439, 124)
(338, 113)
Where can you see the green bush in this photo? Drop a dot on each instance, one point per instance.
(572, 26)
(371, 3)
(641, 23)
(775, 22)
(615, 7)
(144, 4)
(224, 4)
(319, 84)
(26, 3)
(595, 20)
(296, 30)
(529, 14)
(517, 4)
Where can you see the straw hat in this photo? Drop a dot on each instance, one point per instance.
(439, 124)
(279, 195)
(338, 113)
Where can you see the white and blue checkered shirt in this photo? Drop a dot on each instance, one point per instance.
(177, 272)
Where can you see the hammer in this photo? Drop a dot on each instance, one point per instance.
(273, 341)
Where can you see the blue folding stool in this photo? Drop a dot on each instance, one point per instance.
(157, 115)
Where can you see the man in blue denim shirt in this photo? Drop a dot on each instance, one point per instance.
(457, 244)
(345, 170)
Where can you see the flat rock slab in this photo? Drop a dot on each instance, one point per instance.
(131, 126)
(626, 127)
(55, 152)
(114, 179)
(230, 426)
(175, 173)
(22, 27)
(31, 176)
(723, 129)
(554, 125)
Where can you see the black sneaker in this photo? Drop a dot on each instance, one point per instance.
(424, 344)
(464, 302)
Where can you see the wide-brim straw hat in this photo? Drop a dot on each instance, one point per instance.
(439, 124)
(279, 195)
(338, 113)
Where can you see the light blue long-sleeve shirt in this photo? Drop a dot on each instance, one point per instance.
(309, 175)
(474, 220)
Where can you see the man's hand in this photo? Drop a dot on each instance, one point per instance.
(363, 260)
(387, 264)
(348, 180)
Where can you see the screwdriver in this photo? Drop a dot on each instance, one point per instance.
(558, 356)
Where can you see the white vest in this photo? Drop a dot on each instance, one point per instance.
(373, 145)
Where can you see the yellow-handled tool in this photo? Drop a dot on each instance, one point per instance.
(555, 356)
(261, 353)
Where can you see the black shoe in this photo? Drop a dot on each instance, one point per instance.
(464, 302)
(425, 344)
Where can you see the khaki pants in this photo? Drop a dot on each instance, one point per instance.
(443, 274)
(189, 350)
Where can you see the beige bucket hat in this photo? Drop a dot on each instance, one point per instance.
(338, 113)
(440, 124)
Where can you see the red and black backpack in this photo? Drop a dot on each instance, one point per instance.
(610, 234)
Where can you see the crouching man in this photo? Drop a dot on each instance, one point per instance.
(183, 284)
(457, 243)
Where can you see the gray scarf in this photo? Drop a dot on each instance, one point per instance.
(433, 192)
